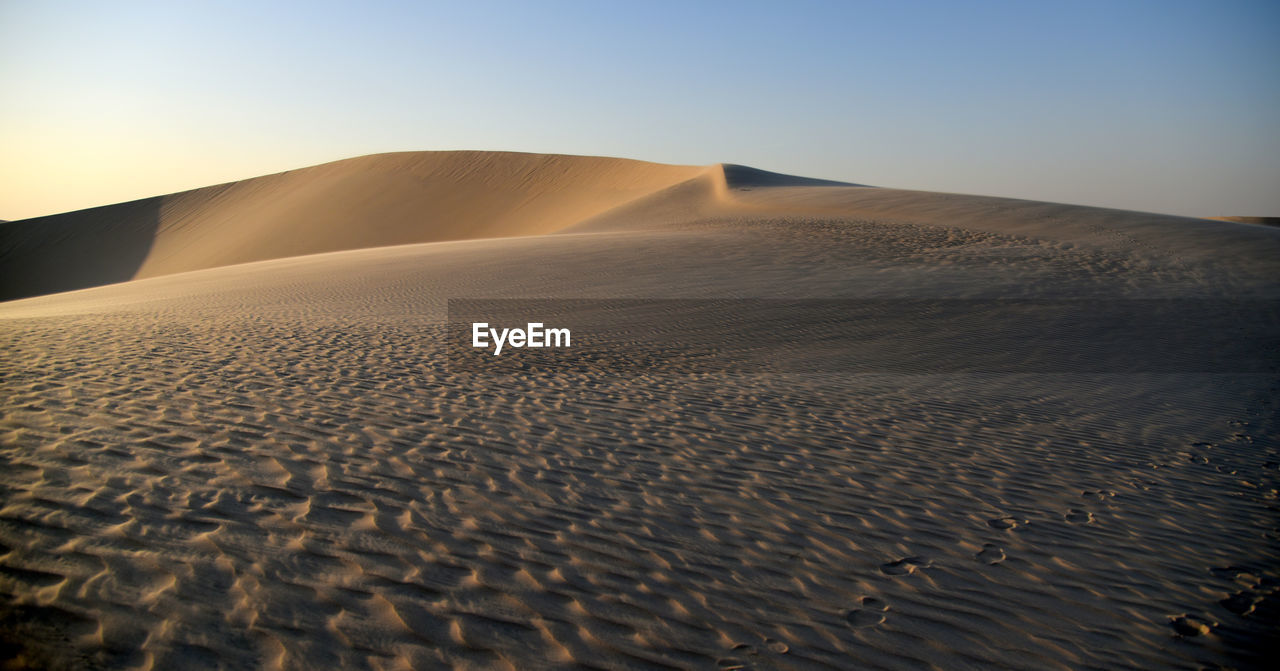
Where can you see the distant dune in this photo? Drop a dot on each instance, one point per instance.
(262, 455)
(1265, 221)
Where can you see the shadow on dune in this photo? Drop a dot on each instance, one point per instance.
(76, 250)
(743, 177)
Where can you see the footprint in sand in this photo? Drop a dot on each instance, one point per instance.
(1240, 603)
(1005, 523)
(1077, 516)
(777, 647)
(771, 644)
(870, 614)
(905, 566)
(991, 554)
(1190, 625)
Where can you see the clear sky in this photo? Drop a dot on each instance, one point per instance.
(1166, 106)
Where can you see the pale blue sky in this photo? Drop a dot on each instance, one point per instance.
(1164, 106)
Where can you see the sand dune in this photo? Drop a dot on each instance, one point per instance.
(371, 201)
(275, 465)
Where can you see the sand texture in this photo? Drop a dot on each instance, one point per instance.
(273, 465)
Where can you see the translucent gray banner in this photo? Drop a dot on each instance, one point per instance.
(865, 336)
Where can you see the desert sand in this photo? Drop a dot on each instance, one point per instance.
(239, 441)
